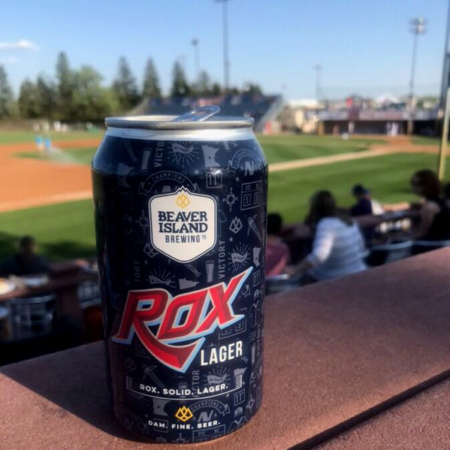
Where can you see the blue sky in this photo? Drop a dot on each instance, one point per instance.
(364, 46)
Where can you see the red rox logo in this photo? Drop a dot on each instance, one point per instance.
(203, 310)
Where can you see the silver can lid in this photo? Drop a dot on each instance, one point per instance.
(198, 119)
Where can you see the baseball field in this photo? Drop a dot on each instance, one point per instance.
(49, 197)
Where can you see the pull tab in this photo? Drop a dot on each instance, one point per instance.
(198, 114)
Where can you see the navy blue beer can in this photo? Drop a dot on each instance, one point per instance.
(180, 213)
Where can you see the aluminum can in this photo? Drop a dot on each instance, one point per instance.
(180, 213)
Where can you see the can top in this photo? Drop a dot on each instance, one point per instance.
(194, 120)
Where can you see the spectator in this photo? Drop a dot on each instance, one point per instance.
(364, 203)
(26, 261)
(277, 252)
(338, 246)
(434, 222)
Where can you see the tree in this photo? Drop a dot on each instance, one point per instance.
(216, 89)
(6, 95)
(46, 97)
(151, 81)
(65, 87)
(252, 89)
(203, 86)
(180, 86)
(427, 101)
(124, 86)
(28, 100)
(91, 101)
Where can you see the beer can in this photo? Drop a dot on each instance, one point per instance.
(180, 213)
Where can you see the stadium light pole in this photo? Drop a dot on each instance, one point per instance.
(195, 43)
(417, 27)
(226, 60)
(318, 69)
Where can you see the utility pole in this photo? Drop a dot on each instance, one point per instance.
(318, 69)
(417, 28)
(226, 60)
(195, 43)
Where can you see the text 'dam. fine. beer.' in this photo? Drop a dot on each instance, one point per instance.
(180, 212)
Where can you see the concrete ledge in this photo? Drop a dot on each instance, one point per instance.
(336, 354)
(417, 424)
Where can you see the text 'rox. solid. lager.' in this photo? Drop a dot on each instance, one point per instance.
(180, 212)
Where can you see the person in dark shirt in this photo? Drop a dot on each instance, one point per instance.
(26, 261)
(434, 224)
(363, 204)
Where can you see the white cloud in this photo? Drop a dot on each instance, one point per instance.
(21, 44)
(9, 60)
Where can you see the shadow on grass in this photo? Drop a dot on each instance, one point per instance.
(8, 245)
(54, 251)
(60, 250)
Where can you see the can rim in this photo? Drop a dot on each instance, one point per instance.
(166, 123)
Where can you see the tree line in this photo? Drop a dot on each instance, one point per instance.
(78, 95)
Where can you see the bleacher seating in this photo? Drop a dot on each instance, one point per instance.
(256, 106)
(427, 246)
(32, 316)
(386, 253)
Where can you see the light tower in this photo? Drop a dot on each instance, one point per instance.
(226, 60)
(318, 69)
(417, 27)
(195, 43)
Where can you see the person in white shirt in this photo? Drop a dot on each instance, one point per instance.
(338, 248)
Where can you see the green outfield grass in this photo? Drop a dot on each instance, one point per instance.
(15, 137)
(276, 148)
(289, 147)
(67, 231)
(421, 140)
(386, 176)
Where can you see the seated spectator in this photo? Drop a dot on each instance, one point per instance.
(338, 248)
(434, 224)
(26, 261)
(277, 252)
(364, 203)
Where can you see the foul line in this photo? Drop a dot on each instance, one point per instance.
(322, 160)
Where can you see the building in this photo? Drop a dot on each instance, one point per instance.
(301, 116)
